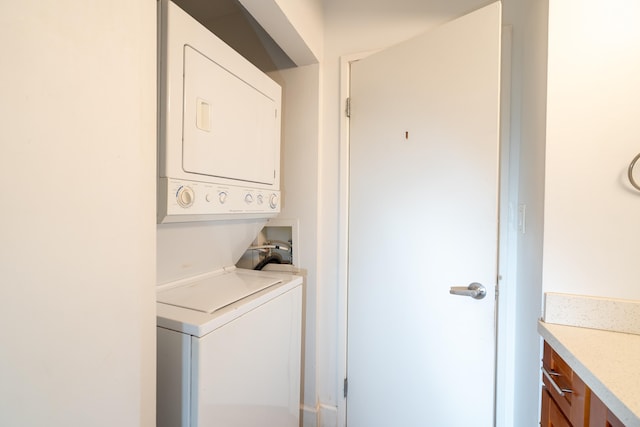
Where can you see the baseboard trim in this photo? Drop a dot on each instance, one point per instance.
(328, 416)
(309, 416)
(320, 416)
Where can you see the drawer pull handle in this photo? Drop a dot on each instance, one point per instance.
(549, 376)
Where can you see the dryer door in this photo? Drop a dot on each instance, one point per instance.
(229, 128)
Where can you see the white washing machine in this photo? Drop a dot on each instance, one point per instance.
(229, 350)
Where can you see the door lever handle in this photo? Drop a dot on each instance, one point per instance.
(474, 290)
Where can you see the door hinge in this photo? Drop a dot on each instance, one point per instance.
(345, 387)
(347, 108)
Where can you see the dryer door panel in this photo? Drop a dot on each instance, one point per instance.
(229, 127)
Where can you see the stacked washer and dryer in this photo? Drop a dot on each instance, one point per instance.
(229, 340)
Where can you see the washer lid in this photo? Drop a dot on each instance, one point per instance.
(212, 293)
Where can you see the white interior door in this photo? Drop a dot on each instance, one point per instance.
(423, 217)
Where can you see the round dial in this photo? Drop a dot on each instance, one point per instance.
(260, 199)
(248, 198)
(273, 201)
(222, 197)
(185, 196)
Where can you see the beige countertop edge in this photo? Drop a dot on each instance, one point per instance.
(608, 363)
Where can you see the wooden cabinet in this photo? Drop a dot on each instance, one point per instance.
(565, 388)
(551, 414)
(566, 400)
(600, 415)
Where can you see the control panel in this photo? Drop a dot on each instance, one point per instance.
(186, 200)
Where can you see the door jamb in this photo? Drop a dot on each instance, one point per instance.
(343, 228)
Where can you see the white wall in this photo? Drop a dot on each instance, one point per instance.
(299, 172)
(528, 108)
(77, 243)
(591, 210)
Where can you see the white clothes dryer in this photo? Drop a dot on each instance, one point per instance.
(229, 350)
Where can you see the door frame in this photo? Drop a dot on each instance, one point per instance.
(343, 231)
(507, 242)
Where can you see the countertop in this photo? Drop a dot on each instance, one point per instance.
(608, 362)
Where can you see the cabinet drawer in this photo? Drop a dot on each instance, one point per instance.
(565, 387)
(551, 414)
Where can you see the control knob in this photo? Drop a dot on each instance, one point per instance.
(273, 201)
(222, 197)
(185, 196)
